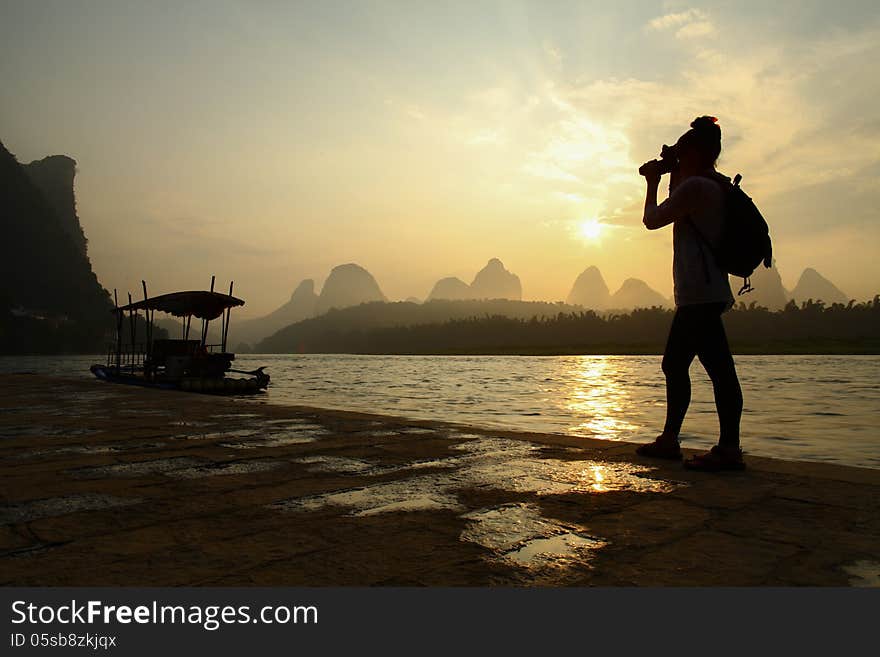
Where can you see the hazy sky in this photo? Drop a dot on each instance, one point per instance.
(270, 141)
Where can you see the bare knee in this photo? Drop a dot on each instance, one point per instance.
(674, 367)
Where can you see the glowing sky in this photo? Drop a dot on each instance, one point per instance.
(270, 141)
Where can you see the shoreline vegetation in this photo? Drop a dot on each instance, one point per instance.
(501, 327)
(382, 328)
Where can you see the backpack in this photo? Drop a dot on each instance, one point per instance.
(745, 238)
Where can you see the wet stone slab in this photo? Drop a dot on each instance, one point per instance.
(298, 434)
(863, 573)
(138, 468)
(340, 464)
(59, 506)
(376, 500)
(219, 469)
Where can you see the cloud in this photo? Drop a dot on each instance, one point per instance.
(690, 24)
(676, 19)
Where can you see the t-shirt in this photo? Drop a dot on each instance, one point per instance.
(696, 277)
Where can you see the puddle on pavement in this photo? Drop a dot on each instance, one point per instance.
(137, 468)
(487, 462)
(419, 494)
(541, 552)
(217, 469)
(863, 573)
(297, 435)
(518, 533)
(59, 506)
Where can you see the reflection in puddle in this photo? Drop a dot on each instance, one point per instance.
(504, 527)
(518, 533)
(59, 506)
(863, 573)
(419, 494)
(488, 462)
(544, 551)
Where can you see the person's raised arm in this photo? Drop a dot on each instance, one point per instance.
(649, 217)
(680, 203)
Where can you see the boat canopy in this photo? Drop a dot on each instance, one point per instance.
(198, 303)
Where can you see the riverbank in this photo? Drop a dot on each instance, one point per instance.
(110, 485)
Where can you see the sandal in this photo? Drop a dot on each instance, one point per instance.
(716, 460)
(661, 448)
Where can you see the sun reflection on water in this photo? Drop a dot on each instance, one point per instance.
(598, 397)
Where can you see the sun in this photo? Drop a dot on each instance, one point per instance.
(590, 229)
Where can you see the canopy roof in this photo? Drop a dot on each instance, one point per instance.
(198, 303)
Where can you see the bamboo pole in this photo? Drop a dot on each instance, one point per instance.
(132, 322)
(118, 331)
(226, 324)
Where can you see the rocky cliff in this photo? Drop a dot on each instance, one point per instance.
(812, 285)
(768, 289)
(348, 285)
(590, 290)
(451, 288)
(300, 306)
(53, 176)
(635, 293)
(494, 282)
(50, 299)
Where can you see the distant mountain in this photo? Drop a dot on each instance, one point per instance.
(302, 305)
(812, 285)
(413, 300)
(451, 289)
(635, 293)
(589, 290)
(50, 300)
(768, 289)
(494, 282)
(174, 327)
(348, 285)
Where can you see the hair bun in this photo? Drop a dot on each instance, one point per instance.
(703, 122)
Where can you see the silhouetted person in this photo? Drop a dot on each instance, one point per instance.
(702, 292)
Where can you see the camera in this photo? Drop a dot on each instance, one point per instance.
(668, 162)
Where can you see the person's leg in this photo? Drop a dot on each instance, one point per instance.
(714, 354)
(677, 358)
